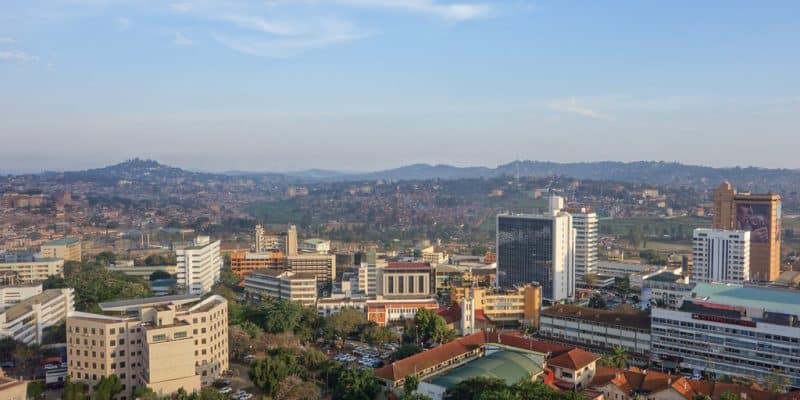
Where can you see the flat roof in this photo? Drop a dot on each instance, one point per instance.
(770, 299)
(23, 307)
(630, 317)
(508, 365)
(61, 242)
(664, 277)
(136, 304)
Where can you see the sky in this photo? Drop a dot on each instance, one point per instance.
(362, 85)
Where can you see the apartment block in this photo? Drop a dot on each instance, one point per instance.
(27, 320)
(30, 267)
(721, 256)
(164, 343)
(14, 294)
(68, 249)
(199, 265)
(585, 223)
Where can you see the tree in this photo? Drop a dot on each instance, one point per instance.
(268, 373)
(775, 382)
(158, 274)
(107, 388)
(474, 388)
(410, 384)
(282, 316)
(294, 388)
(54, 282)
(346, 322)
(378, 335)
(252, 330)
(431, 326)
(597, 301)
(729, 396)
(74, 391)
(105, 258)
(35, 389)
(355, 384)
(145, 393)
(618, 358)
(406, 350)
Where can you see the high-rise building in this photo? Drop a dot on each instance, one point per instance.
(537, 249)
(291, 241)
(199, 265)
(268, 242)
(163, 343)
(760, 214)
(322, 266)
(68, 249)
(721, 256)
(585, 223)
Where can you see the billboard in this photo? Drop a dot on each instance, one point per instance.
(755, 218)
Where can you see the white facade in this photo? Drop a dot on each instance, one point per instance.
(30, 267)
(316, 245)
(284, 285)
(721, 256)
(27, 320)
(199, 266)
(10, 295)
(585, 224)
(368, 278)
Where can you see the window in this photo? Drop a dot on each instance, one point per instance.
(122, 341)
(112, 343)
(112, 331)
(179, 335)
(159, 338)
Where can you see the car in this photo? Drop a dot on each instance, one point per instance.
(225, 390)
(249, 357)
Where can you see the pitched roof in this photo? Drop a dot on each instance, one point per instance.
(398, 370)
(574, 359)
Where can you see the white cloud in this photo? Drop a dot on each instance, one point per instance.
(573, 106)
(7, 40)
(16, 56)
(123, 23)
(263, 25)
(450, 11)
(320, 34)
(179, 39)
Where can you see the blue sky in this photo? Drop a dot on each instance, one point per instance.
(371, 84)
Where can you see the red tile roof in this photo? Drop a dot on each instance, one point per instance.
(574, 359)
(398, 370)
(408, 265)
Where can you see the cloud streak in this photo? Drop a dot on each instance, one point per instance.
(179, 39)
(457, 12)
(16, 56)
(571, 105)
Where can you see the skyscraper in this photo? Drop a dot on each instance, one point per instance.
(291, 241)
(760, 214)
(721, 256)
(584, 221)
(537, 249)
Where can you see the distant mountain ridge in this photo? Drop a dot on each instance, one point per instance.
(657, 173)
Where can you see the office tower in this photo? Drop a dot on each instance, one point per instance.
(163, 343)
(761, 215)
(322, 266)
(537, 249)
(291, 241)
(585, 223)
(68, 249)
(199, 265)
(721, 256)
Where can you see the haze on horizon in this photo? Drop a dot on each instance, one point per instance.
(363, 85)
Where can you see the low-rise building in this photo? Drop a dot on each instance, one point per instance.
(520, 305)
(163, 343)
(67, 249)
(333, 305)
(12, 389)
(574, 369)
(244, 262)
(315, 245)
(282, 285)
(384, 311)
(27, 320)
(322, 266)
(731, 330)
(666, 290)
(30, 267)
(598, 329)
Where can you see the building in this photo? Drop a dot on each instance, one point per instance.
(666, 290)
(12, 389)
(385, 311)
(760, 214)
(368, 278)
(27, 320)
(283, 285)
(30, 268)
(720, 256)
(598, 329)
(520, 305)
(537, 249)
(406, 279)
(199, 265)
(14, 294)
(316, 246)
(163, 343)
(333, 305)
(574, 370)
(322, 266)
(68, 249)
(585, 223)
(245, 262)
(291, 241)
(731, 330)
(266, 243)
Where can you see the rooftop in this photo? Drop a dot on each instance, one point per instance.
(136, 304)
(61, 242)
(408, 265)
(768, 298)
(574, 359)
(627, 317)
(508, 365)
(665, 277)
(26, 305)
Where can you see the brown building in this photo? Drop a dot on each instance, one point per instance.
(12, 389)
(760, 214)
(243, 263)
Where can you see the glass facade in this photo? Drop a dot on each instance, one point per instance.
(525, 252)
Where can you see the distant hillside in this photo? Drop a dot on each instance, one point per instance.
(133, 170)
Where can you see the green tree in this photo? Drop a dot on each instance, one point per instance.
(355, 384)
(145, 393)
(618, 358)
(35, 389)
(75, 391)
(252, 330)
(107, 388)
(346, 321)
(54, 282)
(597, 301)
(282, 316)
(294, 388)
(406, 350)
(474, 388)
(431, 326)
(106, 258)
(268, 373)
(410, 384)
(378, 335)
(160, 275)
